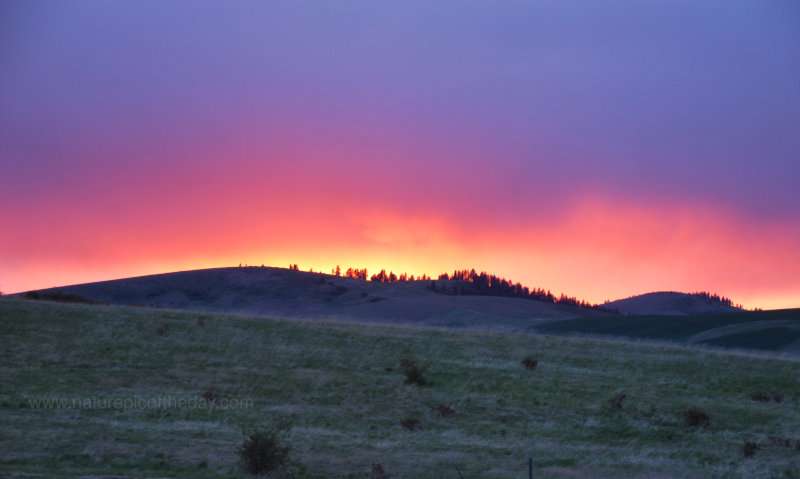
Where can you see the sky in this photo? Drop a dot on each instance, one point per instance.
(600, 149)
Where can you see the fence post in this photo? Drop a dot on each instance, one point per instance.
(530, 468)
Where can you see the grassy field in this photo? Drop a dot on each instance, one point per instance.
(341, 389)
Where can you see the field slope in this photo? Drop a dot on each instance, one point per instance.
(774, 330)
(340, 388)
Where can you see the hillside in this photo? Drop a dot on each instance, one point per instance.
(670, 303)
(776, 330)
(590, 409)
(299, 294)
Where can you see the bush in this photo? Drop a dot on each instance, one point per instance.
(414, 373)
(378, 471)
(615, 401)
(782, 441)
(697, 417)
(749, 449)
(210, 396)
(57, 296)
(410, 423)
(760, 396)
(444, 410)
(530, 363)
(263, 452)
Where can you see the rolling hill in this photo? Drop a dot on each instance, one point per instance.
(289, 293)
(775, 330)
(286, 293)
(671, 303)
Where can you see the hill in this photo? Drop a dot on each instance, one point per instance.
(591, 408)
(776, 330)
(299, 294)
(672, 303)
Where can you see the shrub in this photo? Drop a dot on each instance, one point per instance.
(760, 396)
(697, 417)
(444, 410)
(615, 401)
(58, 296)
(414, 373)
(210, 396)
(410, 423)
(263, 452)
(749, 449)
(530, 363)
(781, 441)
(377, 471)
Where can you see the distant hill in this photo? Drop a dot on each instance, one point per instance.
(672, 303)
(281, 292)
(290, 293)
(774, 330)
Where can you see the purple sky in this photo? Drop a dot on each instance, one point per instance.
(499, 114)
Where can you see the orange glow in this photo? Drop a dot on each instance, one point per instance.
(599, 249)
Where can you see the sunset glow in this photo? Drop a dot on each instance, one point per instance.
(140, 138)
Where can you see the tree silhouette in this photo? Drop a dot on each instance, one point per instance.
(470, 282)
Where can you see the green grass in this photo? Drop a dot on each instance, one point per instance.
(340, 387)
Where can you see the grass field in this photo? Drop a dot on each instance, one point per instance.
(340, 388)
